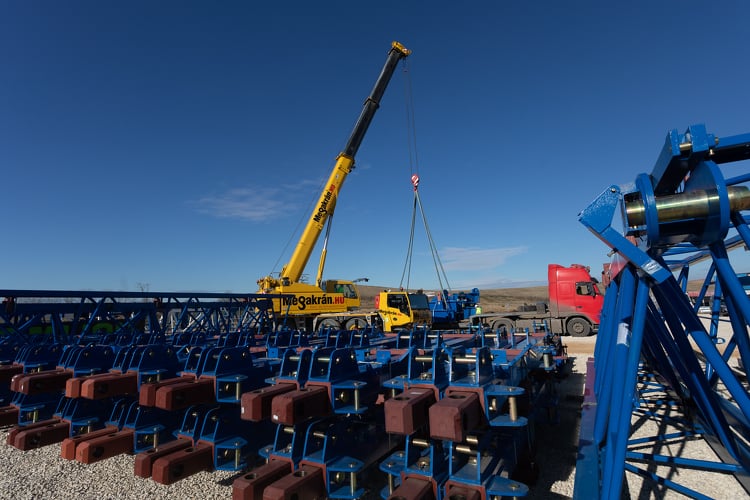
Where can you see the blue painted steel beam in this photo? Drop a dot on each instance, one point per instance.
(650, 330)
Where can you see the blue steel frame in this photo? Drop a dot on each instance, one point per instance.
(653, 352)
(64, 315)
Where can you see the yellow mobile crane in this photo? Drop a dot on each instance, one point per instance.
(331, 303)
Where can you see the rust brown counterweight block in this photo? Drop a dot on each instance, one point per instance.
(40, 382)
(36, 435)
(107, 446)
(73, 386)
(257, 405)
(8, 415)
(412, 488)
(408, 412)
(466, 493)
(306, 483)
(183, 463)
(250, 486)
(454, 415)
(297, 406)
(7, 372)
(147, 392)
(70, 445)
(144, 461)
(180, 396)
(107, 385)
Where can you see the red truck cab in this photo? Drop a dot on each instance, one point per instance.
(575, 295)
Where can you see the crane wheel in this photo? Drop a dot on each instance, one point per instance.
(331, 323)
(356, 324)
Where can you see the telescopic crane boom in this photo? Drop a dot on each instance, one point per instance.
(289, 279)
(343, 167)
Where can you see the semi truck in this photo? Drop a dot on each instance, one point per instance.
(574, 305)
(336, 303)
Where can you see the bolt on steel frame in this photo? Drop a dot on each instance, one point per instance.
(656, 358)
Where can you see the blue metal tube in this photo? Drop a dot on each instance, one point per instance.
(607, 328)
(606, 384)
(694, 378)
(622, 418)
(666, 482)
(732, 285)
(707, 465)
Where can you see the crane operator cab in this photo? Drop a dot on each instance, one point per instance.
(403, 310)
(347, 288)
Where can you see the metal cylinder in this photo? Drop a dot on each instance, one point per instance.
(423, 359)
(693, 205)
(465, 449)
(465, 360)
(420, 443)
(353, 482)
(513, 408)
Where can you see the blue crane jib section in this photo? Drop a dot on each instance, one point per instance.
(662, 345)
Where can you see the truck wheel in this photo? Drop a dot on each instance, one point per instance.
(578, 327)
(502, 323)
(330, 323)
(356, 324)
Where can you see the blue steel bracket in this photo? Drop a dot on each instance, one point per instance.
(679, 156)
(151, 426)
(233, 440)
(295, 367)
(502, 487)
(352, 386)
(598, 218)
(393, 466)
(504, 393)
(341, 447)
(289, 443)
(345, 467)
(430, 462)
(421, 371)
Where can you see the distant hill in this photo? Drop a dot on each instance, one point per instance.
(493, 299)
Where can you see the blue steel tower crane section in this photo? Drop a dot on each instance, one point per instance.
(655, 357)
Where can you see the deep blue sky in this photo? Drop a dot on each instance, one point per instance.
(178, 144)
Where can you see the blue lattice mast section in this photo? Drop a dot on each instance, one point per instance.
(653, 351)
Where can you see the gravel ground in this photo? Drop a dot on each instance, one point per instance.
(44, 474)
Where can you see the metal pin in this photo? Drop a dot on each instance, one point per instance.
(353, 481)
(356, 396)
(421, 443)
